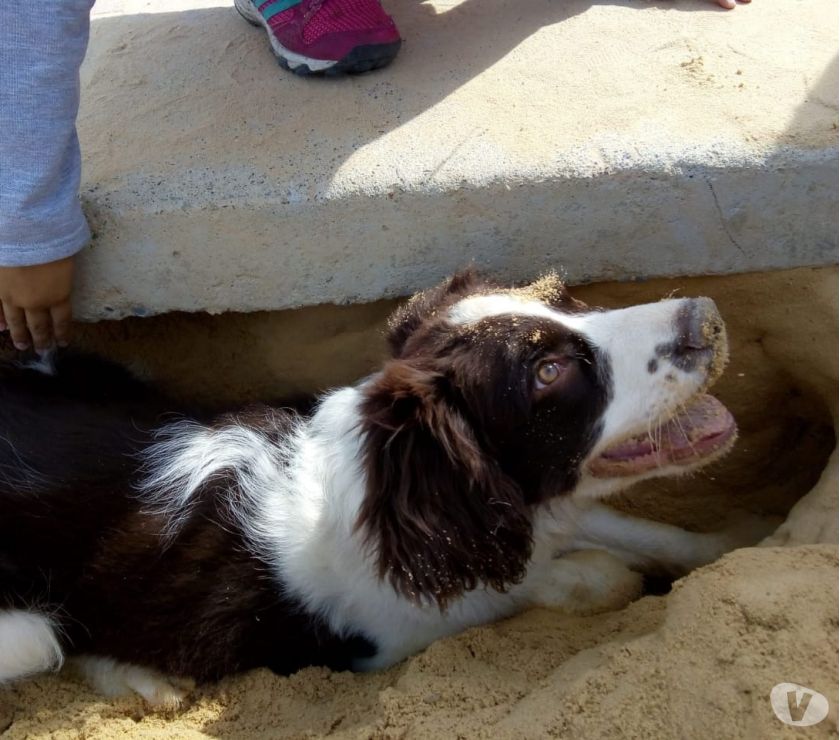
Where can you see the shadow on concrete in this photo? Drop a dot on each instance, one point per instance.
(204, 86)
(187, 113)
(815, 120)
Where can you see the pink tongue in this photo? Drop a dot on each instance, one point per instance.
(702, 419)
(697, 431)
(631, 448)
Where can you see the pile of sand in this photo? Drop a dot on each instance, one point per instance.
(698, 662)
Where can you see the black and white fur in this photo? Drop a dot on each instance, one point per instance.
(448, 490)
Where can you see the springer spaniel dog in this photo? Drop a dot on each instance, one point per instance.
(460, 484)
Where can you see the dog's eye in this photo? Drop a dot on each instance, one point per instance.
(548, 372)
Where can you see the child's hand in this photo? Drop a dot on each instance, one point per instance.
(729, 4)
(35, 303)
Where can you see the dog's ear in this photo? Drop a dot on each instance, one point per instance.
(405, 320)
(439, 514)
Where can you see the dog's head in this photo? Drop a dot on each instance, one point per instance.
(496, 400)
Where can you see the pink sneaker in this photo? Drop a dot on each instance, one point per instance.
(325, 36)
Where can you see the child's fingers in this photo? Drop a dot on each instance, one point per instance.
(728, 4)
(39, 323)
(61, 317)
(16, 319)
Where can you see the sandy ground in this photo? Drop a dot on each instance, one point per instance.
(697, 662)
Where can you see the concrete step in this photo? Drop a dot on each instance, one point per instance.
(616, 140)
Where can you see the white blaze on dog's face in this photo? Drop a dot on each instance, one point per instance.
(661, 356)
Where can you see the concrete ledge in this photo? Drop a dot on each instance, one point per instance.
(619, 141)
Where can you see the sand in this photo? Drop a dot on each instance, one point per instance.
(697, 662)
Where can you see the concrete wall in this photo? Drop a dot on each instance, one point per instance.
(615, 141)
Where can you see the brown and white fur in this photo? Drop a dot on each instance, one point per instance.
(458, 485)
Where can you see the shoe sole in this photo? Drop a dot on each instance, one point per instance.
(360, 59)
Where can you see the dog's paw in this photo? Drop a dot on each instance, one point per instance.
(159, 691)
(741, 529)
(587, 582)
(113, 678)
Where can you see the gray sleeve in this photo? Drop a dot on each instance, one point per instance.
(42, 46)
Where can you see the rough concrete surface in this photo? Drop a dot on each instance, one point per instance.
(623, 139)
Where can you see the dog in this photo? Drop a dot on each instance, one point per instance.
(460, 484)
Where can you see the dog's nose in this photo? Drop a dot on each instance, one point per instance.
(700, 336)
(699, 325)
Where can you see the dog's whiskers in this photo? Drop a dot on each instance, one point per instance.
(683, 409)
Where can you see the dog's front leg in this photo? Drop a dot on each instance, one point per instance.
(655, 547)
(586, 581)
(581, 582)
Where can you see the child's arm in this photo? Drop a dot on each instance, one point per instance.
(41, 220)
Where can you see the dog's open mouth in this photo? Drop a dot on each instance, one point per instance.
(703, 428)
